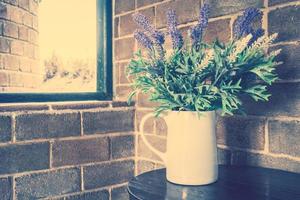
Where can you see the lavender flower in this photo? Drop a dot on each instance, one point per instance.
(177, 39)
(243, 25)
(203, 18)
(197, 31)
(143, 39)
(144, 24)
(255, 35)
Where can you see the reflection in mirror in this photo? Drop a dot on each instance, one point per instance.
(53, 49)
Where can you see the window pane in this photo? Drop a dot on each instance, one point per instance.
(60, 52)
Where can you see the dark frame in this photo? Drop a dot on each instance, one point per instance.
(104, 67)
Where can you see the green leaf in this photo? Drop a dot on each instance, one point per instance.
(258, 92)
(265, 72)
(131, 95)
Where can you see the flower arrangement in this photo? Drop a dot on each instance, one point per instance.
(203, 77)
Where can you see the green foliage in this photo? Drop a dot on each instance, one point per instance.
(204, 78)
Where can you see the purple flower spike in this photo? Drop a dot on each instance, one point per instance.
(243, 24)
(197, 31)
(177, 39)
(204, 12)
(255, 35)
(143, 39)
(144, 24)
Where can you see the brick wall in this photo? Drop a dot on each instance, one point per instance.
(66, 151)
(19, 64)
(90, 150)
(269, 135)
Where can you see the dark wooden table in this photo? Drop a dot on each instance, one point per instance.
(235, 183)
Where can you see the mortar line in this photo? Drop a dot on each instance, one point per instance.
(295, 42)
(274, 155)
(14, 188)
(50, 154)
(266, 147)
(274, 7)
(142, 8)
(232, 20)
(68, 111)
(81, 123)
(110, 193)
(78, 137)
(266, 3)
(13, 128)
(66, 167)
(150, 160)
(136, 145)
(87, 191)
(81, 179)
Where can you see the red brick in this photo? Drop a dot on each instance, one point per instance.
(23, 33)
(33, 36)
(80, 151)
(108, 122)
(224, 7)
(275, 2)
(116, 27)
(290, 69)
(25, 64)
(15, 80)
(28, 19)
(5, 129)
(4, 78)
(17, 47)
(6, 188)
(141, 3)
(286, 22)
(218, 29)
(46, 125)
(127, 25)
(15, 14)
(29, 50)
(3, 11)
(143, 100)
(10, 30)
(48, 184)
(97, 176)
(35, 23)
(161, 127)
(13, 2)
(149, 124)
(4, 45)
(24, 4)
(145, 166)
(284, 137)
(241, 132)
(122, 6)
(119, 193)
(122, 146)
(263, 160)
(186, 10)
(33, 7)
(124, 48)
(285, 101)
(145, 152)
(24, 157)
(122, 93)
(11, 62)
(122, 75)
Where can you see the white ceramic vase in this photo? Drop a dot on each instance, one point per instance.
(191, 156)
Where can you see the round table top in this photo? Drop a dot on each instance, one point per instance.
(234, 183)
